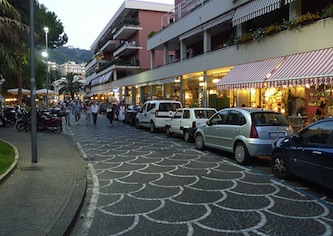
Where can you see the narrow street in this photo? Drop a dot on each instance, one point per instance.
(143, 183)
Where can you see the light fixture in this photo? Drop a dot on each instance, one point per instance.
(201, 84)
(201, 78)
(216, 80)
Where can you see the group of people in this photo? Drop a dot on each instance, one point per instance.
(91, 109)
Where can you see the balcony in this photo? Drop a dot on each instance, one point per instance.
(110, 45)
(126, 48)
(126, 31)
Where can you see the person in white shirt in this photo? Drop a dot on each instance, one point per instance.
(94, 112)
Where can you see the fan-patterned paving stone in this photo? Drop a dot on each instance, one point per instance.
(116, 187)
(252, 177)
(230, 167)
(120, 159)
(240, 202)
(225, 221)
(175, 180)
(100, 165)
(126, 167)
(155, 168)
(284, 225)
(152, 228)
(157, 192)
(146, 160)
(183, 171)
(255, 189)
(200, 165)
(213, 184)
(225, 175)
(113, 225)
(108, 174)
(177, 213)
(194, 196)
(138, 177)
(172, 162)
(299, 209)
(129, 206)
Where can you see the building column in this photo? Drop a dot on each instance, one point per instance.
(166, 53)
(166, 91)
(152, 59)
(207, 41)
(182, 94)
(295, 9)
(204, 92)
(114, 75)
(142, 94)
(134, 95)
(182, 50)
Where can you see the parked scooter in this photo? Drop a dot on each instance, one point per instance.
(3, 119)
(44, 123)
(10, 115)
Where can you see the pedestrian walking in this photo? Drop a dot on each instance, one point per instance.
(110, 113)
(94, 112)
(87, 110)
(76, 109)
(68, 111)
(122, 111)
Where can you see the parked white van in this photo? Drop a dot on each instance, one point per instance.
(154, 114)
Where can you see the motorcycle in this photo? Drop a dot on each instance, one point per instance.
(9, 114)
(44, 123)
(3, 119)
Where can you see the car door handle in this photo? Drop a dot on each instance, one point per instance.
(317, 152)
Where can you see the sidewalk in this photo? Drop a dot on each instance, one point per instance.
(41, 198)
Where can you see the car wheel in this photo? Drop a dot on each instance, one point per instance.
(137, 124)
(199, 142)
(152, 127)
(279, 167)
(187, 137)
(242, 156)
(168, 131)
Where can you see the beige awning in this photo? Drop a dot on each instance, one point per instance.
(254, 9)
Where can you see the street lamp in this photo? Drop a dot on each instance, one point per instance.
(46, 30)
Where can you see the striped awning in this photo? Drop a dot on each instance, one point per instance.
(313, 68)
(250, 75)
(254, 9)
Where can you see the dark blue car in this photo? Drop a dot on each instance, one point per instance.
(307, 154)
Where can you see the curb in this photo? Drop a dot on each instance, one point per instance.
(12, 167)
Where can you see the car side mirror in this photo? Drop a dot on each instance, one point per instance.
(208, 123)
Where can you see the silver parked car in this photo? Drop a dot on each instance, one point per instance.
(245, 132)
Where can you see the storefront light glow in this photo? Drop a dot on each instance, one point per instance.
(215, 81)
(201, 78)
(201, 84)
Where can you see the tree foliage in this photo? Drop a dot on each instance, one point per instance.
(14, 41)
(72, 85)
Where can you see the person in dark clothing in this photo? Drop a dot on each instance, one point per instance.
(321, 110)
(110, 113)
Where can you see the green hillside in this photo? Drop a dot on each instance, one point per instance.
(65, 54)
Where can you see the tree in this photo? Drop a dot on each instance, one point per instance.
(14, 46)
(72, 84)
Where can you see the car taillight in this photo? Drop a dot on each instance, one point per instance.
(253, 132)
(156, 113)
(194, 124)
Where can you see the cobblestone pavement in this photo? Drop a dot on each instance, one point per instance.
(150, 184)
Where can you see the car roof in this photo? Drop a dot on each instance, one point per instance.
(248, 109)
(197, 108)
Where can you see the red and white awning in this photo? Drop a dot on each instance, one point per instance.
(254, 9)
(312, 68)
(250, 75)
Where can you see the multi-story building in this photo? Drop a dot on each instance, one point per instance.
(72, 67)
(120, 50)
(275, 54)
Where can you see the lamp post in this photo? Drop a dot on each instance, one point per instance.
(46, 30)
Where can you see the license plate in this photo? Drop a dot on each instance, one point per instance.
(277, 134)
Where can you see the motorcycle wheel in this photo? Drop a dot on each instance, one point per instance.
(57, 129)
(20, 126)
(2, 122)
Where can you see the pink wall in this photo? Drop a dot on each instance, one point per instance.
(149, 21)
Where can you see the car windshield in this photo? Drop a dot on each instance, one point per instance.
(269, 119)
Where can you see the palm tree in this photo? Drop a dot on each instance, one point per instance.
(72, 84)
(12, 34)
